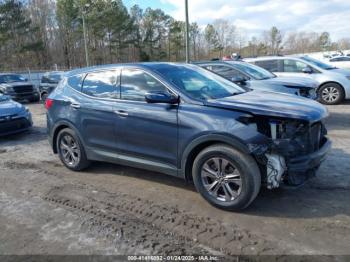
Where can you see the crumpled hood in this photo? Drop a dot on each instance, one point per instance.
(10, 107)
(292, 82)
(273, 104)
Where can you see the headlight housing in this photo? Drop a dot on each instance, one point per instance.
(9, 89)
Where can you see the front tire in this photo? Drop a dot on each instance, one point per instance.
(226, 177)
(331, 94)
(71, 150)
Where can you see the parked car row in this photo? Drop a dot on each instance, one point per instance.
(231, 127)
(20, 88)
(333, 83)
(253, 77)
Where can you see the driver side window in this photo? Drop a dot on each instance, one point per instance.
(136, 83)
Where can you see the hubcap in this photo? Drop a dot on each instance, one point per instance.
(221, 179)
(330, 94)
(69, 150)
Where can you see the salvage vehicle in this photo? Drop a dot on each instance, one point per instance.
(333, 83)
(18, 88)
(254, 77)
(14, 117)
(48, 82)
(185, 121)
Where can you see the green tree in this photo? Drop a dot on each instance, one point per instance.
(17, 34)
(212, 38)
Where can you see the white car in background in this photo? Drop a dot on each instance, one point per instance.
(340, 62)
(334, 83)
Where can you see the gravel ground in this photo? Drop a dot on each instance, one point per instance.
(110, 209)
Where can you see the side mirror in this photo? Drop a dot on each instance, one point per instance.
(307, 70)
(239, 79)
(161, 97)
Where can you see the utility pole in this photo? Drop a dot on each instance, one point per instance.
(187, 34)
(84, 33)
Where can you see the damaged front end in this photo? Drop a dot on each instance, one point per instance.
(294, 152)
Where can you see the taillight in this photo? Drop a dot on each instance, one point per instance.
(48, 103)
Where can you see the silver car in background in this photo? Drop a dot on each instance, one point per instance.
(254, 77)
(334, 83)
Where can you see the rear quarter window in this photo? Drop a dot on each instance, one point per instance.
(75, 82)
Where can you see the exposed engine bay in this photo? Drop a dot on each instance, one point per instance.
(289, 139)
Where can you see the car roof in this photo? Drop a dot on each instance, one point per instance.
(6, 74)
(263, 58)
(146, 65)
(232, 62)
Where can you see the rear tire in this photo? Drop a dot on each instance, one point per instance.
(44, 97)
(331, 94)
(226, 177)
(71, 150)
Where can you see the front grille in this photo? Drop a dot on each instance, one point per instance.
(315, 136)
(13, 125)
(23, 89)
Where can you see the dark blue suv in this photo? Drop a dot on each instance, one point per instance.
(185, 121)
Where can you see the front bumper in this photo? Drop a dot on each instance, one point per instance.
(15, 125)
(25, 96)
(311, 161)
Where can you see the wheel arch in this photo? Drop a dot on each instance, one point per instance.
(330, 82)
(197, 145)
(60, 126)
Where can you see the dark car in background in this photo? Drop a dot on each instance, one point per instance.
(254, 77)
(185, 121)
(14, 117)
(48, 83)
(18, 88)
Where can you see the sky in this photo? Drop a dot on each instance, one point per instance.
(255, 16)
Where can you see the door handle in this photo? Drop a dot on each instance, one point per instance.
(121, 113)
(75, 105)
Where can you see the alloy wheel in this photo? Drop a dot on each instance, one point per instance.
(330, 94)
(69, 150)
(221, 179)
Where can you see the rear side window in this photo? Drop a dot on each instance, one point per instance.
(136, 83)
(75, 82)
(226, 71)
(271, 65)
(293, 66)
(103, 84)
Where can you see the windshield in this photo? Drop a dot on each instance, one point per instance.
(11, 78)
(317, 63)
(254, 71)
(199, 83)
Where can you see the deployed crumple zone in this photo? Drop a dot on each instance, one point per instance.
(293, 152)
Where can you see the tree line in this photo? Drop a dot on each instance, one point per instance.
(49, 33)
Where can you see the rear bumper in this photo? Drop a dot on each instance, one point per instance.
(309, 162)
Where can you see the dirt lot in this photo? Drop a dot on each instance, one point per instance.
(110, 209)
